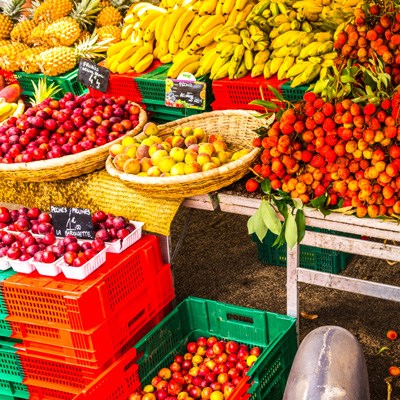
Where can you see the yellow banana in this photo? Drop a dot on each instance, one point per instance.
(330, 56)
(323, 36)
(20, 108)
(281, 52)
(282, 40)
(195, 24)
(185, 41)
(295, 51)
(228, 50)
(126, 52)
(123, 67)
(138, 55)
(244, 34)
(162, 48)
(260, 46)
(146, 21)
(144, 63)
(261, 57)
(130, 19)
(260, 7)
(5, 110)
(222, 72)
(274, 9)
(285, 27)
(236, 60)
(226, 30)
(218, 9)
(208, 37)
(242, 15)
(166, 59)
(173, 46)
(206, 62)
(159, 26)
(208, 7)
(326, 47)
(241, 71)
(267, 69)
(242, 24)
(126, 31)
(248, 59)
(287, 63)
(297, 69)
(217, 66)
(296, 39)
(150, 31)
(182, 24)
(211, 22)
(240, 4)
(276, 64)
(228, 6)
(234, 38)
(282, 7)
(170, 22)
(257, 70)
(248, 43)
(309, 50)
(232, 17)
(192, 67)
(307, 40)
(149, 9)
(309, 74)
(113, 66)
(115, 48)
(176, 68)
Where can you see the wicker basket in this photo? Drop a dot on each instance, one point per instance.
(237, 128)
(69, 166)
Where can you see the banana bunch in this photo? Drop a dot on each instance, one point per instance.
(8, 110)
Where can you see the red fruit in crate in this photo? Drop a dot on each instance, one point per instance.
(149, 396)
(161, 394)
(86, 246)
(187, 364)
(191, 347)
(103, 235)
(178, 359)
(44, 217)
(23, 235)
(98, 245)
(99, 216)
(195, 392)
(243, 352)
(48, 257)
(8, 239)
(69, 257)
(241, 365)
(165, 373)
(44, 227)
(14, 253)
(49, 238)
(69, 239)
(175, 366)
(73, 246)
(202, 341)
(255, 351)
(79, 261)
(119, 222)
(234, 372)
(89, 253)
(232, 347)
(4, 215)
(218, 347)
(162, 385)
(32, 249)
(155, 380)
(28, 241)
(25, 257)
(211, 377)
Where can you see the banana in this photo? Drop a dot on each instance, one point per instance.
(126, 52)
(266, 13)
(144, 63)
(257, 38)
(192, 67)
(222, 71)
(257, 70)
(5, 110)
(123, 67)
(242, 15)
(307, 40)
(315, 60)
(285, 27)
(206, 62)
(234, 38)
(323, 37)
(240, 4)
(217, 65)
(297, 69)
(278, 20)
(330, 56)
(276, 64)
(130, 19)
(177, 67)
(226, 30)
(274, 9)
(218, 9)
(210, 47)
(281, 52)
(306, 27)
(267, 69)
(207, 38)
(326, 47)
(324, 72)
(242, 24)
(248, 43)
(255, 30)
(20, 109)
(261, 45)
(162, 48)
(296, 39)
(185, 41)
(166, 59)
(261, 57)
(211, 22)
(295, 51)
(228, 6)
(195, 24)
(282, 7)
(307, 76)
(172, 19)
(228, 50)
(146, 21)
(241, 71)
(115, 48)
(173, 46)
(248, 59)
(235, 61)
(295, 25)
(138, 55)
(149, 9)
(126, 31)
(274, 33)
(208, 7)
(309, 50)
(160, 25)
(232, 17)
(150, 31)
(283, 39)
(260, 7)
(287, 63)
(113, 66)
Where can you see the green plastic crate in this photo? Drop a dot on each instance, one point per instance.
(315, 258)
(68, 82)
(3, 276)
(152, 85)
(293, 94)
(13, 390)
(10, 364)
(5, 328)
(275, 334)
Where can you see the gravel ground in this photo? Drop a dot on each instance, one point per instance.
(218, 260)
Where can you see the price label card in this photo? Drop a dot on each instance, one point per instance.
(72, 221)
(185, 93)
(92, 75)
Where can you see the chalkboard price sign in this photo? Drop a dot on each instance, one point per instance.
(92, 75)
(185, 94)
(72, 221)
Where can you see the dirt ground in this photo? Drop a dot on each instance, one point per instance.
(218, 260)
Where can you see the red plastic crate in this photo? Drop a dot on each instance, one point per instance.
(102, 345)
(61, 303)
(233, 94)
(116, 383)
(9, 77)
(124, 85)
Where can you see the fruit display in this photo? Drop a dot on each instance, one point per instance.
(10, 103)
(210, 368)
(188, 150)
(73, 124)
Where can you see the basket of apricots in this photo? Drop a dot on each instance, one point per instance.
(187, 157)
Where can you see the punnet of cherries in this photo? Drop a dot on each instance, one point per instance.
(71, 125)
(28, 234)
(210, 369)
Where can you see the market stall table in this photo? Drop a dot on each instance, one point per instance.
(375, 233)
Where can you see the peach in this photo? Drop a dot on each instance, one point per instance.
(178, 141)
(116, 149)
(207, 148)
(216, 161)
(220, 145)
(145, 164)
(187, 131)
(178, 131)
(209, 165)
(177, 153)
(198, 133)
(214, 137)
(190, 140)
(178, 169)
(238, 154)
(192, 167)
(166, 163)
(203, 158)
(154, 171)
(148, 141)
(132, 166)
(127, 141)
(150, 129)
(190, 156)
(119, 161)
(131, 150)
(223, 156)
(157, 156)
(142, 151)
(166, 146)
(154, 147)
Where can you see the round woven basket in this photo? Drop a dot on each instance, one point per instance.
(69, 166)
(235, 126)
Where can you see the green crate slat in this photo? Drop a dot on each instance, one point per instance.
(152, 85)
(10, 364)
(324, 260)
(275, 334)
(3, 276)
(5, 329)
(293, 94)
(68, 82)
(13, 390)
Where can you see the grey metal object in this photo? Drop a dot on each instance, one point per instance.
(329, 365)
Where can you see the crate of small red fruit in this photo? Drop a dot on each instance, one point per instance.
(212, 350)
(28, 243)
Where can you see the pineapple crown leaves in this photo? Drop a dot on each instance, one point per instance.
(122, 4)
(33, 6)
(43, 91)
(85, 12)
(90, 47)
(12, 8)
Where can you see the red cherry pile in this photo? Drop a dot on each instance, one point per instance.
(55, 128)
(210, 369)
(111, 228)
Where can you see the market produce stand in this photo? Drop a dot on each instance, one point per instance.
(375, 233)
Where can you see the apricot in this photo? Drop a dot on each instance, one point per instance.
(154, 171)
(178, 169)
(132, 166)
(119, 160)
(192, 167)
(166, 163)
(177, 153)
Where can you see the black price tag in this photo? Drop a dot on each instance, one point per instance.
(185, 94)
(72, 221)
(92, 75)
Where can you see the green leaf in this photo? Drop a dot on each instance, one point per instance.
(280, 239)
(282, 207)
(320, 86)
(278, 95)
(269, 105)
(270, 218)
(279, 114)
(347, 79)
(291, 231)
(257, 225)
(319, 201)
(298, 204)
(266, 186)
(301, 225)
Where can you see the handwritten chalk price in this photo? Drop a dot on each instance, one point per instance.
(92, 75)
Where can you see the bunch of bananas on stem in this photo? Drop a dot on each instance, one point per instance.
(8, 110)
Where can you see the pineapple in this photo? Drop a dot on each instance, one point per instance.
(85, 13)
(10, 12)
(104, 3)
(3, 42)
(51, 10)
(10, 56)
(108, 16)
(63, 32)
(37, 36)
(61, 59)
(22, 31)
(110, 31)
(43, 91)
(28, 62)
